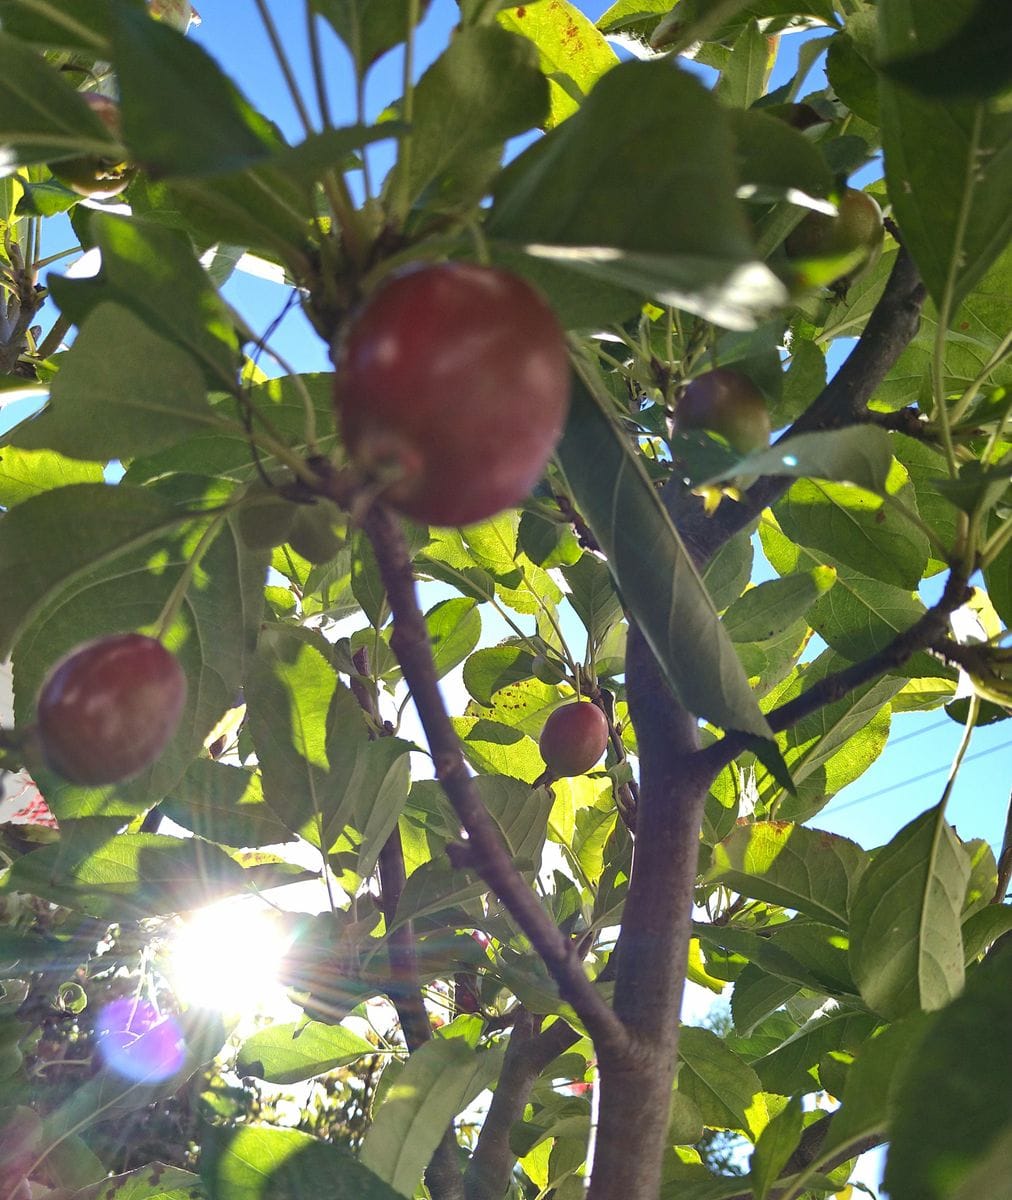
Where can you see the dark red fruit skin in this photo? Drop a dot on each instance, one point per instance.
(725, 402)
(573, 739)
(453, 380)
(109, 708)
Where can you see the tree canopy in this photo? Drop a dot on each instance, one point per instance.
(723, 364)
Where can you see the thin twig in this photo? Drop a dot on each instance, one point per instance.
(443, 1174)
(928, 630)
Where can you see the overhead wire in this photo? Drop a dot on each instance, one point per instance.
(892, 787)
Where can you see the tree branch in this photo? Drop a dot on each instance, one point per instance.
(808, 1153)
(528, 1053)
(1004, 859)
(675, 775)
(486, 852)
(928, 630)
(653, 945)
(443, 1174)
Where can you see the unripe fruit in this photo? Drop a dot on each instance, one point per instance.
(856, 230)
(725, 402)
(109, 708)
(265, 518)
(90, 174)
(452, 388)
(573, 739)
(312, 535)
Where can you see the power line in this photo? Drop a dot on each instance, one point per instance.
(918, 733)
(918, 778)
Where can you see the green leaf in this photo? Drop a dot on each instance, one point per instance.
(869, 1095)
(743, 79)
(228, 454)
(792, 1068)
(322, 775)
(491, 746)
(821, 949)
(775, 161)
(367, 585)
(322, 729)
(208, 127)
(773, 606)
(264, 1163)
(438, 1081)
(906, 947)
(637, 189)
(984, 927)
(854, 528)
(776, 1144)
(495, 667)
(521, 812)
(368, 28)
(70, 24)
(39, 559)
(724, 1088)
(547, 543)
(483, 89)
(455, 630)
(653, 570)
(860, 615)
(25, 473)
(41, 116)
(103, 405)
(225, 804)
(593, 596)
(129, 875)
(152, 271)
(157, 1181)
(833, 746)
(953, 1102)
(436, 888)
(573, 54)
(859, 455)
(804, 869)
(289, 1053)
(756, 995)
(948, 163)
(850, 66)
(973, 61)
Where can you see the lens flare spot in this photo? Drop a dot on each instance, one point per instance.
(138, 1042)
(228, 957)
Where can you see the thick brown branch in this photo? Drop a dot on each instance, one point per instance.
(487, 853)
(653, 944)
(843, 401)
(527, 1055)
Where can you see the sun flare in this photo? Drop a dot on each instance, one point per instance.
(228, 957)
